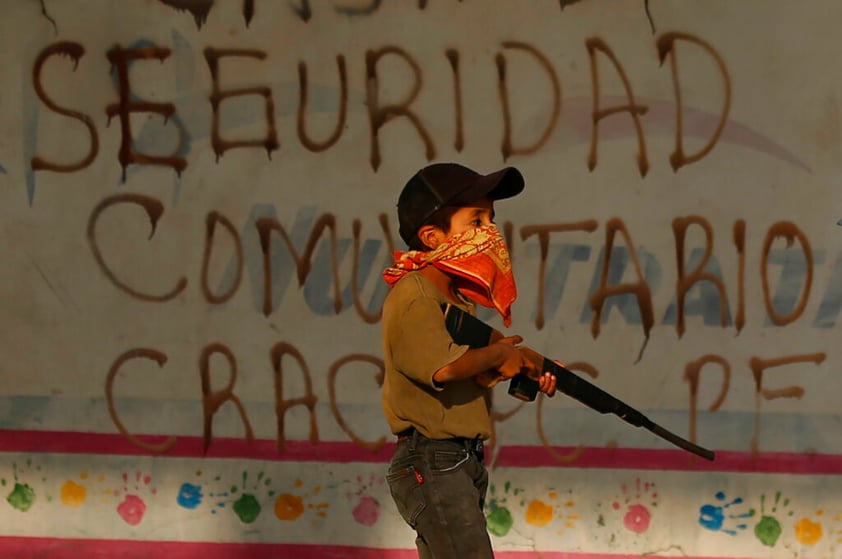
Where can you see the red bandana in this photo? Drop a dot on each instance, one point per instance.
(478, 261)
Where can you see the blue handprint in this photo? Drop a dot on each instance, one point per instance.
(714, 517)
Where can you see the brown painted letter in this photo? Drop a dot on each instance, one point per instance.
(790, 232)
(379, 115)
(121, 59)
(543, 232)
(281, 405)
(758, 367)
(692, 374)
(459, 139)
(220, 146)
(685, 281)
(740, 243)
(154, 208)
(303, 262)
(666, 45)
(640, 289)
(507, 148)
(306, 141)
(577, 452)
(212, 400)
(374, 446)
(75, 51)
(138, 353)
(210, 226)
(632, 108)
(371, 318)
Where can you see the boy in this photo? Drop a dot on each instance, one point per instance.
(437, 394)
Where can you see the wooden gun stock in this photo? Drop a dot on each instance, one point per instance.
(471, 331)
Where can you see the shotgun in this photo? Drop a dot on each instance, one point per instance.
(466, 329)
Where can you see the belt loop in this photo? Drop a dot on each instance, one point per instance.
(413, 440)
(476, 447)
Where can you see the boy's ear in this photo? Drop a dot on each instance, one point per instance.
(431, 236)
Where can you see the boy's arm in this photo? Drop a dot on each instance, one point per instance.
(501, 356)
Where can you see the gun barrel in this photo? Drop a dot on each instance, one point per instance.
(471, 331)
(682, 442)
(600, 400)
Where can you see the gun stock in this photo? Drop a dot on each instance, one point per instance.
(471, 331)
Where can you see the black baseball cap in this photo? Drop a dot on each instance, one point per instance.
(450, 184)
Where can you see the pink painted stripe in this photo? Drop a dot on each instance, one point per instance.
(60, 548)
(345, 452)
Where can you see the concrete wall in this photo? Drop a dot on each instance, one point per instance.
(197, 200)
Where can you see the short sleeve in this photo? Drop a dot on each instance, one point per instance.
(422, 345)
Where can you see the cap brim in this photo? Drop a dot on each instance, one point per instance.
(499, 185)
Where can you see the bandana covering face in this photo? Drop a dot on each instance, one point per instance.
(477, 260)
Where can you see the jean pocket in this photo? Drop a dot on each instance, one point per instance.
(405, 486)
(446, 461)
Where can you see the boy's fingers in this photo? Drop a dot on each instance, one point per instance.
(514, 340)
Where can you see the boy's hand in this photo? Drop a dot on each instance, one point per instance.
(513, 361)
(547, 384)
(488, 378)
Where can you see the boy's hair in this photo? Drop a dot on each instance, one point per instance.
(440, 219)
(442, 188)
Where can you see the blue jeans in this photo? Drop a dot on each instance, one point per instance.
(439, 488)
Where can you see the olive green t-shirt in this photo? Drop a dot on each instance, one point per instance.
(415, 345)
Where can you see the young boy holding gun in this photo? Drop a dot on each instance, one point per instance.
(437, 393)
